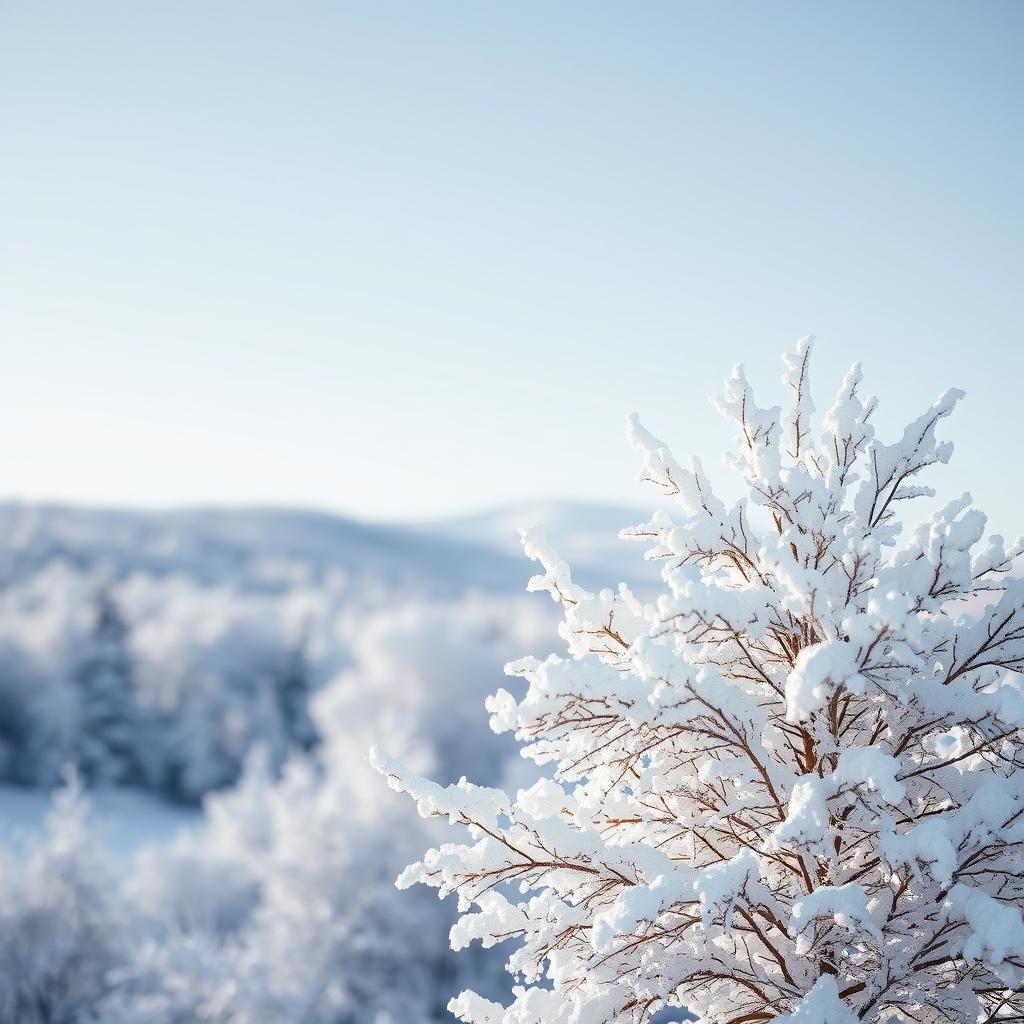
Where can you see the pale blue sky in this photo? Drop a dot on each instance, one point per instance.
(403, 259)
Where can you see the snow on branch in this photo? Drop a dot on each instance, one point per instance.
(788, 789)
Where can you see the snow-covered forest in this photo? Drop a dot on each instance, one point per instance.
(230, 670)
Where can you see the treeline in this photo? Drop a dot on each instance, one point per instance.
(281, 905)
(156, 682)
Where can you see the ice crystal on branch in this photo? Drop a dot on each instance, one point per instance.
(786, 791)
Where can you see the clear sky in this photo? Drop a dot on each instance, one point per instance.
(405, 259)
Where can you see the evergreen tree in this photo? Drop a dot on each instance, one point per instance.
(106, 745)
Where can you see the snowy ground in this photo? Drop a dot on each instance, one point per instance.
(123, 821)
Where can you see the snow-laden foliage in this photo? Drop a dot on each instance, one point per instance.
(788, 790)
(61, 931)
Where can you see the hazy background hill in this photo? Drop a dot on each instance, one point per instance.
(275, 547)
(261, 547)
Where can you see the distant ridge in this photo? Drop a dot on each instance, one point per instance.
(250, 545)
(265, 547)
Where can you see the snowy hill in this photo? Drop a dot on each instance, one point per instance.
(265, 548)
(271, 548)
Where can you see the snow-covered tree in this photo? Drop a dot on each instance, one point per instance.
(62, 932)
(107, 738)
(789, 789)
(218, 669)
